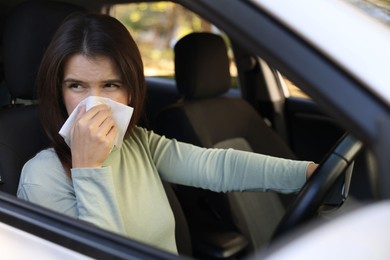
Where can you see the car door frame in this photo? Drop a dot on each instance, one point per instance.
(77, 236)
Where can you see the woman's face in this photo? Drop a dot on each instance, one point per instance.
(97, 76)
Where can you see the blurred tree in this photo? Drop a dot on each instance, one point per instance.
(156, 27)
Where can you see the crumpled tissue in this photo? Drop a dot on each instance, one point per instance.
(120, 113)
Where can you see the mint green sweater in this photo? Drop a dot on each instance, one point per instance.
(126, 196)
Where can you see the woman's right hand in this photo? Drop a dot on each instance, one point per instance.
(92, 136)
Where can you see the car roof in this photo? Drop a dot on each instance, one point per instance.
(351, 38)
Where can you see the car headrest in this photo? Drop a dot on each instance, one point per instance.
(27, 33)
(201, 66)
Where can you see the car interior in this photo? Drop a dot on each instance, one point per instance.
(200, 107)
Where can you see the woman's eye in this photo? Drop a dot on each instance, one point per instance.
(111, 85)
(75, 86)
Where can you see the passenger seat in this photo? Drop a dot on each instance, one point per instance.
(205, 117)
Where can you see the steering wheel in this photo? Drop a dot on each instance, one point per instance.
(319, 185)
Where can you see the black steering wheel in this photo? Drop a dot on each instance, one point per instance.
(319, 185)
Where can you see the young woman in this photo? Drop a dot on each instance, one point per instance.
(121, 189)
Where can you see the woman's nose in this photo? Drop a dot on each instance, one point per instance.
(95, 91)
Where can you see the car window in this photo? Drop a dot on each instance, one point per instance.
(293, 90)
(156, 27)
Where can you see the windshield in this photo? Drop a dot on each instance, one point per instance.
(379, 9)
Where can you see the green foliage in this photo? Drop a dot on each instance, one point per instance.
(156, 26)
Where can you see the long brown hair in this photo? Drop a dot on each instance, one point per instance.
(91, 35)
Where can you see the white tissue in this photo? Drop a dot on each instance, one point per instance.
(120, 113)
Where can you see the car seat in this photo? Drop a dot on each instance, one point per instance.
(28, 31)
(204, 116)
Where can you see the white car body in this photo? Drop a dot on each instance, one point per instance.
(336, 27)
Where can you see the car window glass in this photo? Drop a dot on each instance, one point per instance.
(294, 90)
(156, 27)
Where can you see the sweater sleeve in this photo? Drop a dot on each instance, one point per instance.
(44, 182)
(225, 170)
(96, 199)
(89, 196)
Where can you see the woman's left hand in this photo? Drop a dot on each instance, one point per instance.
(310, 169)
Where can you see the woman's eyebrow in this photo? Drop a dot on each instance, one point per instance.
(114, 80)
(71, 80)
